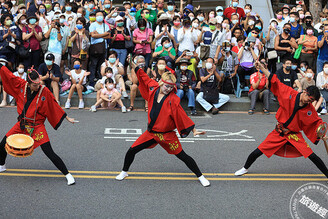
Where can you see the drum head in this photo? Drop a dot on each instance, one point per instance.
(20, 141)
(322, 129)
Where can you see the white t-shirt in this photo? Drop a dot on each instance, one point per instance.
(77, 77)
(24, 75)
(114, 68)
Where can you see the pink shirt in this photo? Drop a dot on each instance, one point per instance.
(143, 36)
(32, 42)
(104, 91)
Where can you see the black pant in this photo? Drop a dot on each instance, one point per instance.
(94, 67)
(32, 60)
(130, 154)
(47, 150)
(313, 157)
(242, 72)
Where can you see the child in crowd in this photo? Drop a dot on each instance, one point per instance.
(109, 97)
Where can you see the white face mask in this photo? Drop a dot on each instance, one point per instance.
(78, 14)
(14, 2)
(161, 67)
(111, 86)
(325, 70)
(251, 22)
(309, 75)
(208, 65)
(21, 70)
(195, 25)
(183, 67)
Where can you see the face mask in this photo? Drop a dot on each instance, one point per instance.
(200, 18)
(212, 27)
(325, 70)
(323, 19)
(292, 20)
(120, 24)
(288, 68)
(309, 32)
(109, 75)
(32, 21)
(234, 21)
(287, 31)
(227, 49)
(111, 86)
(211, 16)
(68, 8)
(22, 11)
(224, 25)
(114, 14)
(247, 11)
(48, 62)
(220, 13)
(279, 17)
(142, 28)
(61, 20)
(250, 23)
(48, 6)
(99, 18)
(234, 4)
(147, 16)
(92, 19)
(56, 8)
(21, 70)
(301, 16)
(183, 68)
(91, 6)
(170, 7)
(122, 14)
(161, 67)
(14, 2)
(208, 65)
(309, 75)
(177, 23)
(39, 2)
(258, 27)
(8, 22)
(107, 6)
(195, 25)
(42, 10)
(132, 14)
(149, 7)
(77, 67)
(112, 60)
(23, 21)
(191, 18)
(153, 9)
(294, 67)
(79, 26)
(303, 69)
(168, 45)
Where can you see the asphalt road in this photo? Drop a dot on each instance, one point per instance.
(160, 185)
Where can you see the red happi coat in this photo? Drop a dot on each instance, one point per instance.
(164, 118)
(295, 119)
(47, 108)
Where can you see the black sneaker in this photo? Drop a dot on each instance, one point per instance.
(215, 111)
(242, 86)
(193, 112)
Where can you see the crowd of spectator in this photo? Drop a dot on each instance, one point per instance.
(84, 46)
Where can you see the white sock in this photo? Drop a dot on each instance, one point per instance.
(204, 181)
(122, 175)
(68, 100)
(81, 100)
(70, 179)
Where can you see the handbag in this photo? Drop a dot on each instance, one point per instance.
(22, 51)
(272, 54)
(299, 50)
(65, 85)
(143, 49)
(211, 93)
(98, 48)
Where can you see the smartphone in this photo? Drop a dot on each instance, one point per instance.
(189, 53)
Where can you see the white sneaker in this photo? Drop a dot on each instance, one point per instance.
(3, 103)
(90, 88)
(70, 179)
(319, 114)
(93, 108)
(204, 181)
(81, 104)
(123, 109)
(121, 176)
(67, 105)
(125, 94)
(323, 111)
(241, 172)
(3, 168)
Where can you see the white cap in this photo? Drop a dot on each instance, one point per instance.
(219, 8)
(118, 18)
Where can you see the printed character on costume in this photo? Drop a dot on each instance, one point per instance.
(35, 104)
(295, 114)
(164, 116)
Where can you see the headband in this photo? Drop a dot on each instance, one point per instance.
(166, 82)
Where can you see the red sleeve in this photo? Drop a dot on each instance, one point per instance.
(183, 123)
(54, 113)
(225, 12)
(11, 84)
(278, 88)
(310, 126)
(145, 82)
(241, 12)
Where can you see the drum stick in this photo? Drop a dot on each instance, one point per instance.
(326, 145)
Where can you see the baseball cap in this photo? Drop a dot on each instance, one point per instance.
(50, 56)
(219, 8)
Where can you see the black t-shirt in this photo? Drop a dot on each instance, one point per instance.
(287, 79)
(55, 70)
(119, 42)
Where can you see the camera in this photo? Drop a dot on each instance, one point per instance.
(57, 24)
(247, 44)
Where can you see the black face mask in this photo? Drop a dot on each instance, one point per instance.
(165, 22)
(308, 23)
(287, 31)
(288, 68)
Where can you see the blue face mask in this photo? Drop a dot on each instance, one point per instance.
(112, 60)
(107, 6)
(294, 67)
(68, 8)
(168, 45)
(258, 27)
(149, 7)
(132, 14)
(42, 10)
(79, 26)
(99, 18)
(303, 69)
(200, 18)
(48, 62)
(220, 13)
(61, 20)
(292, 20)
(170, 7)
(91, 6)
(32, 21)
(234, 4)
(77, 67)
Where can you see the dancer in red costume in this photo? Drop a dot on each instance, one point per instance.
(164, 116)
(35, 104)
(295, 114)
